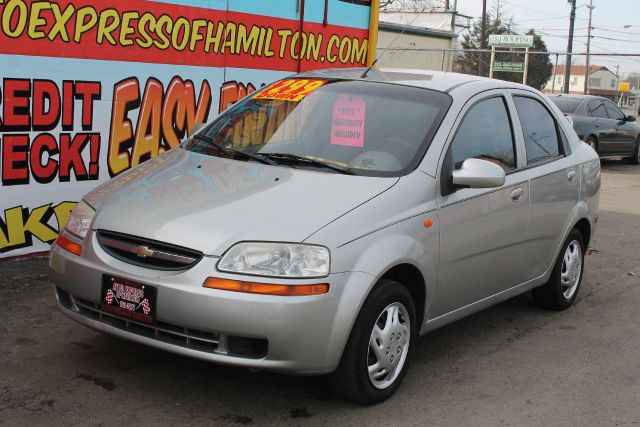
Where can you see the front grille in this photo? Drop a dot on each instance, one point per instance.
(195, 339)
(147, 253)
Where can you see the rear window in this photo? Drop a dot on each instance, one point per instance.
(369, 128)
(566, 105)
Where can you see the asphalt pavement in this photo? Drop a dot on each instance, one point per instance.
(512, 364)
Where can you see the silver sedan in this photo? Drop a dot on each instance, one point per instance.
(323, 223)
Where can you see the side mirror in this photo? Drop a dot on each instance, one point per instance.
(196, 128)
(478, 173)
(630, 119)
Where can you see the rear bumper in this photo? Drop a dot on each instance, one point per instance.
(303, 335)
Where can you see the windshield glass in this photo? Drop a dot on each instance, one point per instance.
(364, 128)
(566, 105)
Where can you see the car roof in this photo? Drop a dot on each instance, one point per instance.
(572, 96)
(436, 80)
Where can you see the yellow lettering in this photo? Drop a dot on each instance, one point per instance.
(164, 21)
(109, 21)
(181, 27)
(211, 39)
(333, 40)
(126, 29)
(248, 44)
(60, 21)
(7, 17)
(82, 25)
(344, 53)
(314, 45)
(196, 36)
(149, 19)
(36, 20)
(359, 52)
(284, 35)
(230, 38)
(267, 45)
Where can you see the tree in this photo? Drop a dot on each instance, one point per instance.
(473, 61)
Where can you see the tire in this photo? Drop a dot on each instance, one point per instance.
(635, 156)
(591, 140)
(352, 380)
(561, 290)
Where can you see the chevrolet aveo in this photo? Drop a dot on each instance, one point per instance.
(323, 223)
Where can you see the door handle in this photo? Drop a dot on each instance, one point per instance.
(516, 194)
(571, 176)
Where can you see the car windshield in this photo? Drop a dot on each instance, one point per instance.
(355, 127)
(566, 105)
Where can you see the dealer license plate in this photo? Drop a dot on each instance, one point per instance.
(128, 299)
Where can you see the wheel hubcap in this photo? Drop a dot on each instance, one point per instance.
(571, 269)
(388, 345)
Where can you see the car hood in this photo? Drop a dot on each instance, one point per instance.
(209, 203)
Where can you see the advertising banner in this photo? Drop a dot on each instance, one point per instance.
(89, 89)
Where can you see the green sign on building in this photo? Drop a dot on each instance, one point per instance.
(515, 67)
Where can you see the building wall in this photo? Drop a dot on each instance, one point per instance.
(117, 82)
(599, 80)
(425, 60)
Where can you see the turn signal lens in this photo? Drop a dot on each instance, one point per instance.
(68, 245)
(265, 288)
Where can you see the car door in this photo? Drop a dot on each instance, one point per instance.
(604, 127)
(554, 180)
(625, 131)
(482, 231)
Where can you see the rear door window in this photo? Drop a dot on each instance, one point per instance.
(596, 109)
(485, 133)
(539, 129)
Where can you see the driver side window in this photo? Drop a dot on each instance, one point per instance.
(485, 133)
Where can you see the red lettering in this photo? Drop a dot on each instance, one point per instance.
(45, 92)
(15, 169)
(67, 105)
(71, 156)
(43, 172)
(88, 92)
(16, 105)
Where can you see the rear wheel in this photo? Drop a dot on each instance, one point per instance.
(563, 285)
(376, 357)
(635, 156)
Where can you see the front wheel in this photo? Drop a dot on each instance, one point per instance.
(563, 285)
(376, 357)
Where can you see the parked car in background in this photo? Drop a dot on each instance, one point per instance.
(602, 124)
(323, 223)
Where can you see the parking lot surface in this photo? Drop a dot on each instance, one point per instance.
(512, 364)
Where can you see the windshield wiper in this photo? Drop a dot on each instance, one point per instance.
(294, 158)
(257, 157)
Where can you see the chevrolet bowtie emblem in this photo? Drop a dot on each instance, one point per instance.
(142, 251)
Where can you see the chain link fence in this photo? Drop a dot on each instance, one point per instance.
(613, 76)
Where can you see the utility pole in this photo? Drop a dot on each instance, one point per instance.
(586, 70)
(567, 67)
(483, 29)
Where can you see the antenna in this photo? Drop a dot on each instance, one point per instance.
(386, 49)
(368, 69)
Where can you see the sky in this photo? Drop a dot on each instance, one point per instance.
(550, 19)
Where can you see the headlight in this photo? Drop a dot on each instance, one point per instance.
(80, 220)
(276, 259)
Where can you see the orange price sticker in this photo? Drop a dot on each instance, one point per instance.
(290, 90)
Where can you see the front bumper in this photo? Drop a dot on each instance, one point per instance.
(303, 334)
